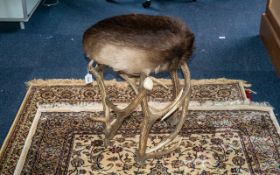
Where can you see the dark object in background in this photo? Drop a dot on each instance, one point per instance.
(146, 3)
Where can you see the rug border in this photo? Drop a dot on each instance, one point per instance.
(79, 82)
(15, 121)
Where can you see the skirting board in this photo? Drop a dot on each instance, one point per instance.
(271, 40)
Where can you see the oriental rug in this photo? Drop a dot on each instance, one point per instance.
(224, 133)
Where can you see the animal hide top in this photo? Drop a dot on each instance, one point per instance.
(150, 42)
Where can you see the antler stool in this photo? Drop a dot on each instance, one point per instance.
(136, 46)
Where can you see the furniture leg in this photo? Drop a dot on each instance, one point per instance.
(22, 25)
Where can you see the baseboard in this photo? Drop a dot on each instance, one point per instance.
(271, 40)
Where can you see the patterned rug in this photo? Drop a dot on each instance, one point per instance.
(224, 133)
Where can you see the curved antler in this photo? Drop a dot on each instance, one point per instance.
(150, 118)
(113, 126)
(154, 112)
(99, 78)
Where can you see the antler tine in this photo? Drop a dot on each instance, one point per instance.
(159, 114)
(154, 111)
(154, 151)
(99, 79)
(131, 107)
(184, 92)
(134, 87)
(176, 83)
(163, 152)
(173, 119)
(159, 82)
(134, 103)
(90, 64)
(173, 135)
(130, 82)
(175, 107)
(123, 113)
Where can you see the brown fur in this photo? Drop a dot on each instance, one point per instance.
(142, 41)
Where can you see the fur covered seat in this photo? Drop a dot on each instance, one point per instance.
(136, 44)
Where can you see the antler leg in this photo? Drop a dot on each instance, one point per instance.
(176, 83)
(144, 135)
(160, 149)
(131, 82)
(99, 78)
(174, 118)
(146, 126)
(100, 82)
(149, 118)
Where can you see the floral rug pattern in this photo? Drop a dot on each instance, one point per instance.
(214, 141)
(198, 153)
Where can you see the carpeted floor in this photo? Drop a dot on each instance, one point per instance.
(50, 47)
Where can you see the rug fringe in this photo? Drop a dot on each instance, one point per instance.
(213, 103)
(56, 82)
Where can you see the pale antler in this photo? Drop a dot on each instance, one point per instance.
(149, 119)
(113, 126)
(100, 82)
(159, 82)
